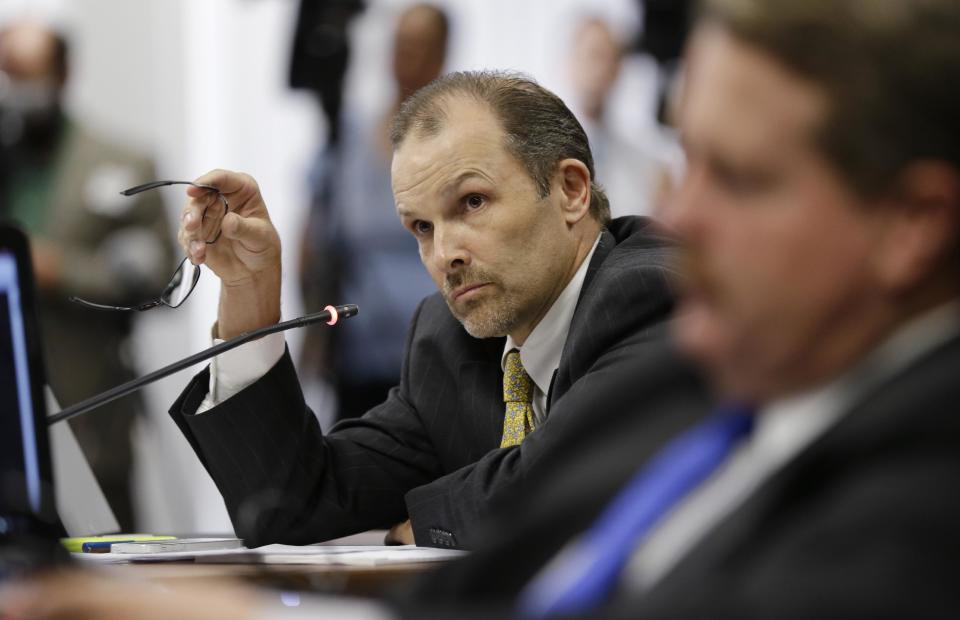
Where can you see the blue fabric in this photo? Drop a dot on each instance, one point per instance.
(584, 575)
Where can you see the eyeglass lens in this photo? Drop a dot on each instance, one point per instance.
(181, 284)
(185, 278)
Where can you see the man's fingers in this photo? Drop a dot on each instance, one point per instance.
(253, 233)
(197, 251)
(192, 214)
(400, 534)
(226, 181)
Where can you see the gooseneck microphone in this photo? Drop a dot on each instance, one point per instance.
(330, 315)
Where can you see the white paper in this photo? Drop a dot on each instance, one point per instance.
(337, 555)
(343, 555)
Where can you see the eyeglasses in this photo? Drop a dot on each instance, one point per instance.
(187, 274)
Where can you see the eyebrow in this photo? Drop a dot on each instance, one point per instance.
(463, 176)
(450, 186)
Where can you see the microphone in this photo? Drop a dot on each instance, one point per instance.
(330, 315)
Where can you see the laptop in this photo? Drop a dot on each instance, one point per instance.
(29, 526)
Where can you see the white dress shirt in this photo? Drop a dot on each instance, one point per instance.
(238, 368)
(783, 429)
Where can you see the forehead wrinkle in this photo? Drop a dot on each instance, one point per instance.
(436, 164)
(442, 174)
(423, 170)
(466, 175)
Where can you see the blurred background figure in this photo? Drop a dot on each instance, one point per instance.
(61, 183)
(629, 168)
(666, 25)
(321, 53)
(354, 246)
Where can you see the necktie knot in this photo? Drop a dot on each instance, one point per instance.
(517, 385)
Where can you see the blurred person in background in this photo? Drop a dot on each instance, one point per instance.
(354, 248)
(321, 53)
(630, 171)
(61, 182)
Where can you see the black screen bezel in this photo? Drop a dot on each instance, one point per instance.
(12, 239)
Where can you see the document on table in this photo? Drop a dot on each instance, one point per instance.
(343, 555)
(348, 555)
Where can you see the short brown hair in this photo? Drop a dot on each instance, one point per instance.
(889, 68)
(540, 129)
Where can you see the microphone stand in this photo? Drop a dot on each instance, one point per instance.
(330, 315)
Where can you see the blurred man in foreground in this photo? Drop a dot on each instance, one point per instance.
(821, 217)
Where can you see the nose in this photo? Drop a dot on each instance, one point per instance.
(449, 248)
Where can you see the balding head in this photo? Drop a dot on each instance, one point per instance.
(419, 48)
(30, 50)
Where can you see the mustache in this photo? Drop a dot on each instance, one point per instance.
(467, 277)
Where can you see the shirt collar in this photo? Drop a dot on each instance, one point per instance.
(540, 354)
(800, 418)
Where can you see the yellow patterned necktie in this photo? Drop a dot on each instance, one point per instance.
(518, 421)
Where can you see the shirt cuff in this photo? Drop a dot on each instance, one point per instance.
(235, 370)
(297, 606)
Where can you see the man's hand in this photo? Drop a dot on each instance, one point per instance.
(400, 534)
(246, 257)
(80, 596)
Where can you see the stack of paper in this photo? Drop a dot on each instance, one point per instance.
(366, 555)
(341, 555)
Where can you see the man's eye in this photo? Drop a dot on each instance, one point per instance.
(422, 228)
(474, 201)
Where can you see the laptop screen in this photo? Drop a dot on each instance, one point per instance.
(25, 489)
(20, 461)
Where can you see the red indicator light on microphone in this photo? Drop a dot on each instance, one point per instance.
(334, 315)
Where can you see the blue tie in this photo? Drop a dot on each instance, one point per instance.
(583, 575)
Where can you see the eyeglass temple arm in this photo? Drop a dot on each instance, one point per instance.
(154, 184)
(139, 308)
(330, 315)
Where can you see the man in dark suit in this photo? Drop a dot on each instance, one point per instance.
(493, 176)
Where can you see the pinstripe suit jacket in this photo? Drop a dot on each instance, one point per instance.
(431, 450)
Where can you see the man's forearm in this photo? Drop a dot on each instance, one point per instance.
(250, 304)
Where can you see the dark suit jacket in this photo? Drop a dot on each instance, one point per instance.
(862, 523)
(431, 451)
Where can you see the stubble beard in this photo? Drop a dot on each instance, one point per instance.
(491, 316)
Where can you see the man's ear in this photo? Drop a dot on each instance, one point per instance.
(923, 217)
(574, 179)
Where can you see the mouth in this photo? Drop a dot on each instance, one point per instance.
(468, 290)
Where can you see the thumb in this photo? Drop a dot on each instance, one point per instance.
(254, 234)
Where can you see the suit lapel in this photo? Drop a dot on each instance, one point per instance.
(560, 382)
